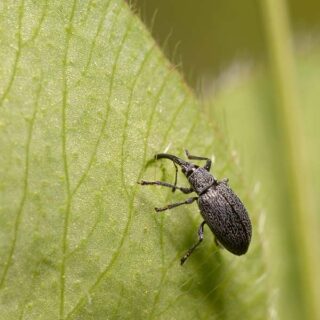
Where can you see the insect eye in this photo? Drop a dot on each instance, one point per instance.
(190, 171)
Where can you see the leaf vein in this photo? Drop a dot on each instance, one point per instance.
(106, 117)
(38, 27)
(117, 252)
(17, 55)
(99, 29)
(128, 109)
(25, 191)
(65, 161)
(172, 121)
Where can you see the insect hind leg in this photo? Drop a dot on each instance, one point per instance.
(200, 238)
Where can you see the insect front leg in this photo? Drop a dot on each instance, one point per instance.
(200, 238)
(177, 204)
(207, 166)
(175, 178)
(166, 184)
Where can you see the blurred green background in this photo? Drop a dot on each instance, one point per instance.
(256, 66)
(212, 34)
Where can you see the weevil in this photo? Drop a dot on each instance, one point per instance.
(220, 207)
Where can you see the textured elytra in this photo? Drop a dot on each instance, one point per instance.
(227, 217)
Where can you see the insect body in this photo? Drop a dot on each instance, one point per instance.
(220, 207)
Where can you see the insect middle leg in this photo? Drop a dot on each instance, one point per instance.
(200, 235)
(166, 184)
(175, 178)
(177, 204)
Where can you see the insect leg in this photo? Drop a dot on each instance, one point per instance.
(165, 184)
(200, 234)
(218, 244)
(175, 178)
(207, 166)
(177, 204)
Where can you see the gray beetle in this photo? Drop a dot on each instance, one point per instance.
(220, 207)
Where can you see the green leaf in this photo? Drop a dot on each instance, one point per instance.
(86, 100)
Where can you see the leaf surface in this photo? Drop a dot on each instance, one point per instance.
(86, 100)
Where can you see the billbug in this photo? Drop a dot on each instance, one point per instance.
(220, 207)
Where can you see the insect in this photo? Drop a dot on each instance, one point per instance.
(220, 207)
